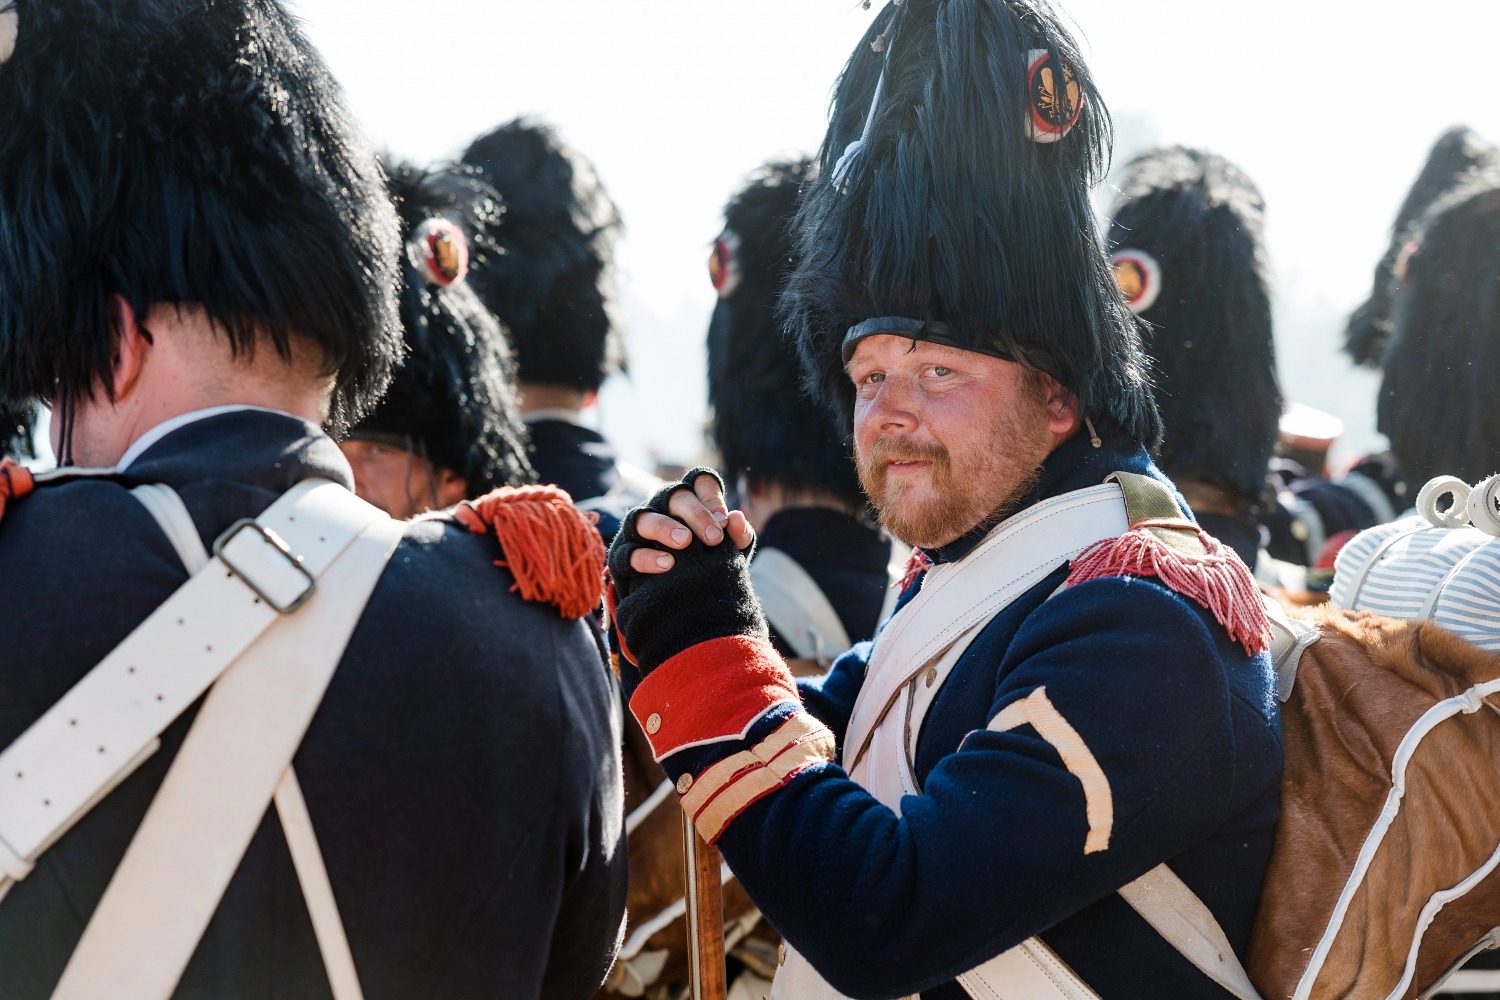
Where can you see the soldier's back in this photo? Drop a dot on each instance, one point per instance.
(462, 772)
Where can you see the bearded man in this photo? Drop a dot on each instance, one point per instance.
(1055, 771)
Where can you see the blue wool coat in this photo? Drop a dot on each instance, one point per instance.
(462, 772)
(1181, 719)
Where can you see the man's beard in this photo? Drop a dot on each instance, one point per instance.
(995, 479)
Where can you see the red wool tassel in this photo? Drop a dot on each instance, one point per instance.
(1218, 580)
(551, 548)
(15, 482)
(916, 565)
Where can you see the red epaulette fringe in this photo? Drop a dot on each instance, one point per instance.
(551, 548)
(15, 482)
(919, 563)
(1217, 579)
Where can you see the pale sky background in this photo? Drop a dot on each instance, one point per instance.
(1330, 106)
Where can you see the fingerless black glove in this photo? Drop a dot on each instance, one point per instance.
(705, 595)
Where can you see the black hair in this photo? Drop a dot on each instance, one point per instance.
(1200, 218)
(952, 212)
(182, 152)
(553, 284)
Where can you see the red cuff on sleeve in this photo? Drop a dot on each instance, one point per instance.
(711, 692)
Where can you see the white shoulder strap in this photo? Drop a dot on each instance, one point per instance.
(177, 524)
(108, 723)
(302, 550)
(1187, 924)
(796, 606)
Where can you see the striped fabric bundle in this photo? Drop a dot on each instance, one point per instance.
(1413, 568)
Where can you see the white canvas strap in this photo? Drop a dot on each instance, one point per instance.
(234, 759)
(956, 599)
(796, 606)
(1029, 971)
(1188, 925)
(176, 523)
(317, 890)
(108, 723)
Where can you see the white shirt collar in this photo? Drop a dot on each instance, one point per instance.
(166, 427)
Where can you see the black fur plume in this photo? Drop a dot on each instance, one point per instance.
(553, 285)
(181, 151)
(1209, 329)
(1440, 390)
(453, 394)
(764, 426)
(1458, 157)
(952, 212)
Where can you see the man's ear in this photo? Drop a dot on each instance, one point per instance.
(1063, 417)
(132, 343)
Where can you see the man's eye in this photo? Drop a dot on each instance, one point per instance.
(874, 377)
(940, 371)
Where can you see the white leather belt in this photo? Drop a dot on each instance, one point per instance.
(108, 723)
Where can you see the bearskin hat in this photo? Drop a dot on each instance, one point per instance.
(1187, 248)
(452, 398)
(553, 286)
(1458, 157)
(1440, 389)
(952, 205)
(177, 151)
(763, 427)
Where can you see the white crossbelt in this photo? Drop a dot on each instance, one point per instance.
(913, 656)
(317, 544)
(796, 607)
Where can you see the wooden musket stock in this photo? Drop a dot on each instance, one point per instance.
(705, 914)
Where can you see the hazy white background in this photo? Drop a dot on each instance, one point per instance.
(1330, 106)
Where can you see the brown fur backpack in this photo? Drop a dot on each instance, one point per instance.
(1383, 877)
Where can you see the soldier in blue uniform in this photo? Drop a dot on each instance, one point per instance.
(1067, 733)
(199, 259)
(788, 462)
(448, 428)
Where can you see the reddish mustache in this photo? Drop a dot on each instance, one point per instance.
(886, 450)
